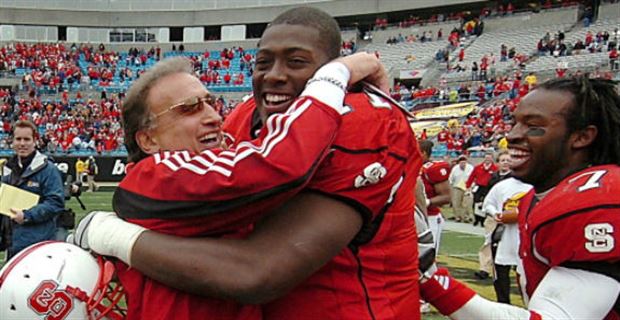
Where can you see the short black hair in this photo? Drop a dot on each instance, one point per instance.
(597, 103)
(426, 146)
(321, 21)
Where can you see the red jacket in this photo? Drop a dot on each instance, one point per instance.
(481, 175)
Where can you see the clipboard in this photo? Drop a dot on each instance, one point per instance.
(13, 197)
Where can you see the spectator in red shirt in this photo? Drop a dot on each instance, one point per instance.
(613, 59)
(443, 135)
(478, 182)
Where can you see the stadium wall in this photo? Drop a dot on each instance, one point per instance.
(107, 19)
(530, 19)
(609, 11)
(111, 168)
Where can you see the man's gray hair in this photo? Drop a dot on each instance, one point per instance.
(135, 111)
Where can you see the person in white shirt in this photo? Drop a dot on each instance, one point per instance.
(462, 201)
(485, 256)
(501, 202)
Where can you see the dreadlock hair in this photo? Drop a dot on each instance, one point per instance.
(326, 26)
(597, 103)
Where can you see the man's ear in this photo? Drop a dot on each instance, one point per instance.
(147, 142)
(584, 137)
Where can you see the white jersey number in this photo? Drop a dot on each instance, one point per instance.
(593, 181)
(378, 102)
(599, 236)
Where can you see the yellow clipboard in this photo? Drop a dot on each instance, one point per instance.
(13, 197)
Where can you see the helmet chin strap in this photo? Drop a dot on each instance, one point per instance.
(104, 290)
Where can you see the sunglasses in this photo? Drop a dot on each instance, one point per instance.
(189, 105)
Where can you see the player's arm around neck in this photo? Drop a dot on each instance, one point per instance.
(286, 248)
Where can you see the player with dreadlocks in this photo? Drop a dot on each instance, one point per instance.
(565, 143)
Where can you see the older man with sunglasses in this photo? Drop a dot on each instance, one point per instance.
(193, 186)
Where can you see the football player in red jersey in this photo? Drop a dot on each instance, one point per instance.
(345, 248)
(565, 143)
(435, 175)
(164, 192)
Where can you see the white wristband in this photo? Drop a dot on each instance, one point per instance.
(109, 235)
(327, 85)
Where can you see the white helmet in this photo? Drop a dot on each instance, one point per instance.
(56, 281)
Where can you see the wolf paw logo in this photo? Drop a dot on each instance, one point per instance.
(372, 174)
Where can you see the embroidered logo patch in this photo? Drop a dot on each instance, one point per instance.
(33, 184)
(372, 174)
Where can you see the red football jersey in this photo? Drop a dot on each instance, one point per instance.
(218, 192)
(576, 224)
(434, 172)
(373, 166)
(208, 193)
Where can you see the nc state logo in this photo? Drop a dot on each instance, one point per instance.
(51, 303)
(371, 175)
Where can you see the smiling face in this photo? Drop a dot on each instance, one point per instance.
(504, 162)
(488, 159)
(180, 128)
(288, 55)
(539, 141)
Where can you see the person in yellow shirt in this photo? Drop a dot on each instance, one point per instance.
(531, 79)
(453, 123)
(502, 144)
(80, 170)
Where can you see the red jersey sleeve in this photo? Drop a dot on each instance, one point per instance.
(373, 152)
(284, 157)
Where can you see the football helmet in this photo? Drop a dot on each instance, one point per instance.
(57, 281)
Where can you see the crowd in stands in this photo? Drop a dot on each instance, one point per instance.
(73, 125)
(92, 124)
(68, 121)
(348, 47)
(217, 70)
(513, 86)
(485, 128)
(502, 9)
(66, 125)
(53, 68)
(557, 46)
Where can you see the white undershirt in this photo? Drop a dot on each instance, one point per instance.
(562, 294)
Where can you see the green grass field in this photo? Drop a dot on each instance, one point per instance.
(458, 250)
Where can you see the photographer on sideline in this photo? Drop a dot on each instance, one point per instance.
(66, 220)
(91, 171)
